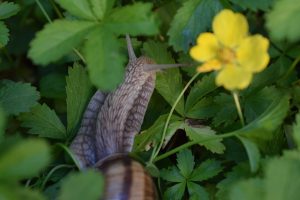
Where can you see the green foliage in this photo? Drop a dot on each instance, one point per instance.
(186, 175)
(199, 151)
(17, 97)
(78, 91)
(283, 19)
(44, 122)
(90, 187)
(194, 17)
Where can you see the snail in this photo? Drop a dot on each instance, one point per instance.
(109, 124)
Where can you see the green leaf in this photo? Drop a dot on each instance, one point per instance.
(87, 185)
(44, 122)
(172, 175)
(197, 192)
(57, 39)
(248, 190)
(17, 97)
(185, 162)
(8, 9)
(194, 17)
(132, 19)
(78, 91)
(78, 8)
(158, 52)
(175, 192)
(53, 86)
(203, 134)
(282, 21)
(2, 123)
(206, 170)
(227, 112)
(200, 90)
(282, 178)
(203, 109)
(24, 160)
(152, 135)
(105, 59)
(253, 153)
(296, 130)
(101, 7)
(4, 34)
(254, 5)
(13, 192)
(239, 172)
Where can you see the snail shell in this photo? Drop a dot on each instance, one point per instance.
(125, 178)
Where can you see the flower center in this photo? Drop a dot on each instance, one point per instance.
(226, 55)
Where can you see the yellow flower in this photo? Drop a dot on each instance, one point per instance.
(231, 51)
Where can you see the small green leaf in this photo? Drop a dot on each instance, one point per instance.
(199, 90)
(172, 175)
(101, 7)
(296, 130)
(185, 162)
(44, 122)
(78, 91)
(197, 191)
(152, 135)
(87, 185)
(57, 39)
(253, 153)
(206, 170)
(204, 134)
(78, 8)
(24, 160)
(248, 190)
(132, 19)
(104, 58)
(17, 97)
(194, 17)
(8, 9)
(175, 192)
(254, 5)
(282, 21)
(4, 34)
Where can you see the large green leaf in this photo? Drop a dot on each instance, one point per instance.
(253, 153)
(57, 39)
(78, 8)
(14, 192)
(105, 59)
(16, 97)
(101, 7)
(24, 160)
(44, 122)
(132, 19)
(254, 5)
(158, 52)
(4, 33)
(8, 9)
(78, 92)
(194, 17)
(248, 190)
(87, 185)
(283, 21)
(202, 134)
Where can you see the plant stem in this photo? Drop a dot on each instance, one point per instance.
(292, 67)
(188, 144)
(238, 107)
(50, 21)
(156, 150)
(66, 149)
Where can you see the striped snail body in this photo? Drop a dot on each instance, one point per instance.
(108, 127)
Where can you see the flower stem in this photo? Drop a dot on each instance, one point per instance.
(156, 150)
(238, 107)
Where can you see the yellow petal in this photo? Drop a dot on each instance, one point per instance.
(233, 78)
(230, 28)
(252, 54)
(210, 66)
(206, 48)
